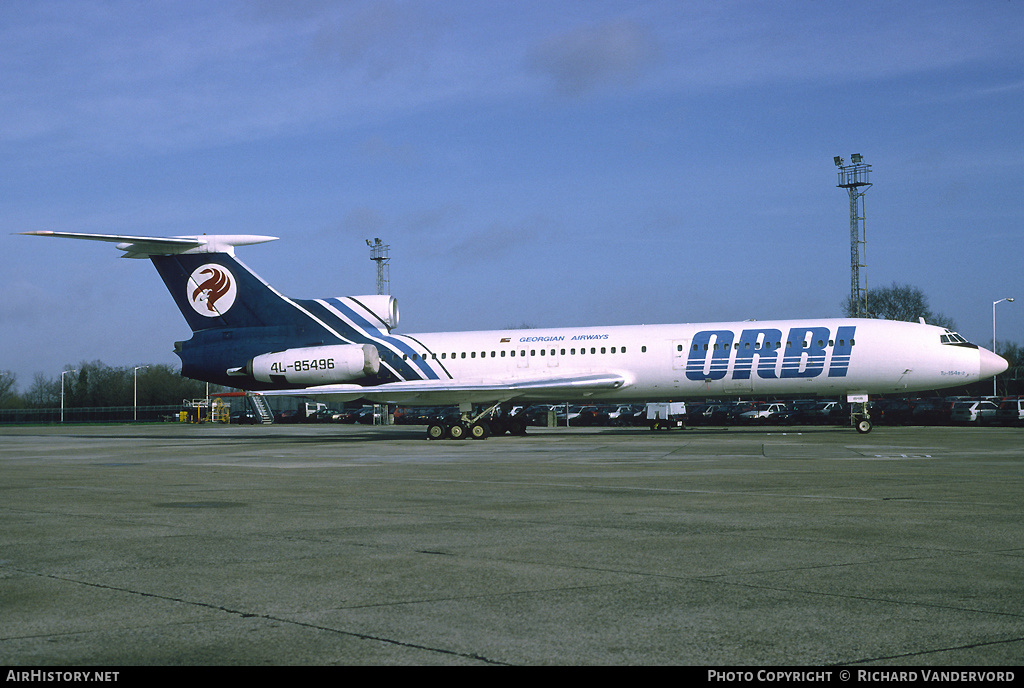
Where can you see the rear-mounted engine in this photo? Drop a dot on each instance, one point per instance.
(316, 365)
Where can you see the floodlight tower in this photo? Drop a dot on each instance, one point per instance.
(854, 178)
(381, 253)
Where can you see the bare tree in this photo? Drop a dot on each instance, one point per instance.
(44, 392)
(900, 302)
(8, 388)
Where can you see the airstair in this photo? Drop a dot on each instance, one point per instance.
(259, 403)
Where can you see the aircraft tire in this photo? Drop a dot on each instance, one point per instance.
(458, 431)
(436, 431)
(863, 426)
(479, 431)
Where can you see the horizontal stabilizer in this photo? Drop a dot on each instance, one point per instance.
(144, 247)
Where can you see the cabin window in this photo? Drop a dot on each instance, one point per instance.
(643, 349)
(623, 350)
(602, 349)
(503, 353)
(613, 349)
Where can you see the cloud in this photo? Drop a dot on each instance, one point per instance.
(591, 57)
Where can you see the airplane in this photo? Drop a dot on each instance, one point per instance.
(249, 336)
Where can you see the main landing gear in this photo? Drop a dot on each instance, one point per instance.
(479, 426)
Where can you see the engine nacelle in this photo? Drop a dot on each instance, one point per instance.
(316, 365)
(378, 309)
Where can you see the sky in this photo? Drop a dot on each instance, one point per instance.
(550, 163)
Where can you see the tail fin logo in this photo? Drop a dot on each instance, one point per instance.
(211, 290)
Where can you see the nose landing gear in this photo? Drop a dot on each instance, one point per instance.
(859, 416)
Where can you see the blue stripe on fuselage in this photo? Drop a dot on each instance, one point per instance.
(412, 367)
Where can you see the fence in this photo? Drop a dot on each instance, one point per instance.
(106, 414)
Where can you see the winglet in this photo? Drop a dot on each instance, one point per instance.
(144, 247)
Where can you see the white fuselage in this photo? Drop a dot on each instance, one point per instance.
(792, 357)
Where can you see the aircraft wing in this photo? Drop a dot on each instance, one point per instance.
(445, 392)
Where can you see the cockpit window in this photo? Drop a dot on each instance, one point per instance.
(954, 339)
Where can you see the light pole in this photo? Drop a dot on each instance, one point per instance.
(62, 392)
(1009, 300)
(136, 396)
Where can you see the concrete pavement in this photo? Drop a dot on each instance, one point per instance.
(189, 545)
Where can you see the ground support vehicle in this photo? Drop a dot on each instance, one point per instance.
(667, 415)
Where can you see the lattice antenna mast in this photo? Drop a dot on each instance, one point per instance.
(854, 178)
(381, 254)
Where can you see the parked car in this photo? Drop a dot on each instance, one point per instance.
(368, 415)
(933, 411)
(290, 416)
(828, 412)
(979, 412)
(796, 413)
(1010, 412)
(537, 415)
(589, 416)
(891, 411)
(715, 415)
(763, 414)
(622, 415)
(246, 417)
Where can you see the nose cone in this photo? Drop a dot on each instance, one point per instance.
(991, 364)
